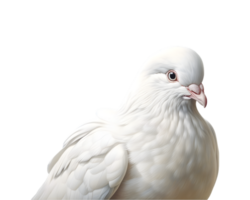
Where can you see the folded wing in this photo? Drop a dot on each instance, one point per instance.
(91, 165)
(215, 145)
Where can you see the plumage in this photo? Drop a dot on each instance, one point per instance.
(157, 146)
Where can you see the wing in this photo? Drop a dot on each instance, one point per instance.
(91, 165)
(215, 144)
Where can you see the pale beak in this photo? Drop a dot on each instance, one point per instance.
(197, 93)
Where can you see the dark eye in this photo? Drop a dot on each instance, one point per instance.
(172, 76)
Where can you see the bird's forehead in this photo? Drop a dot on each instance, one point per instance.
(182, 57)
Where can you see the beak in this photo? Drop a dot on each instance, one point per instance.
(197, 93)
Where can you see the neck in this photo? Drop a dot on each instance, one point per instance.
(154, 105)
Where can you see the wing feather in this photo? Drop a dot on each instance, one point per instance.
(215, 144)
(90, 166)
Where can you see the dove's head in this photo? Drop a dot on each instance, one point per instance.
(174, 77)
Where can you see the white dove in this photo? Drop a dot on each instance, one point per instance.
(157, 146)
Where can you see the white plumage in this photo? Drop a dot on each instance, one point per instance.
(157, 146)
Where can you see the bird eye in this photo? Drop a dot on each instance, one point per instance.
(172, 76)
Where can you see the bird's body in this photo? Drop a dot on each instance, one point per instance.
(170, 157)
(157, 147)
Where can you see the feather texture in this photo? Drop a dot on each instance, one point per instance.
(88, 167)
